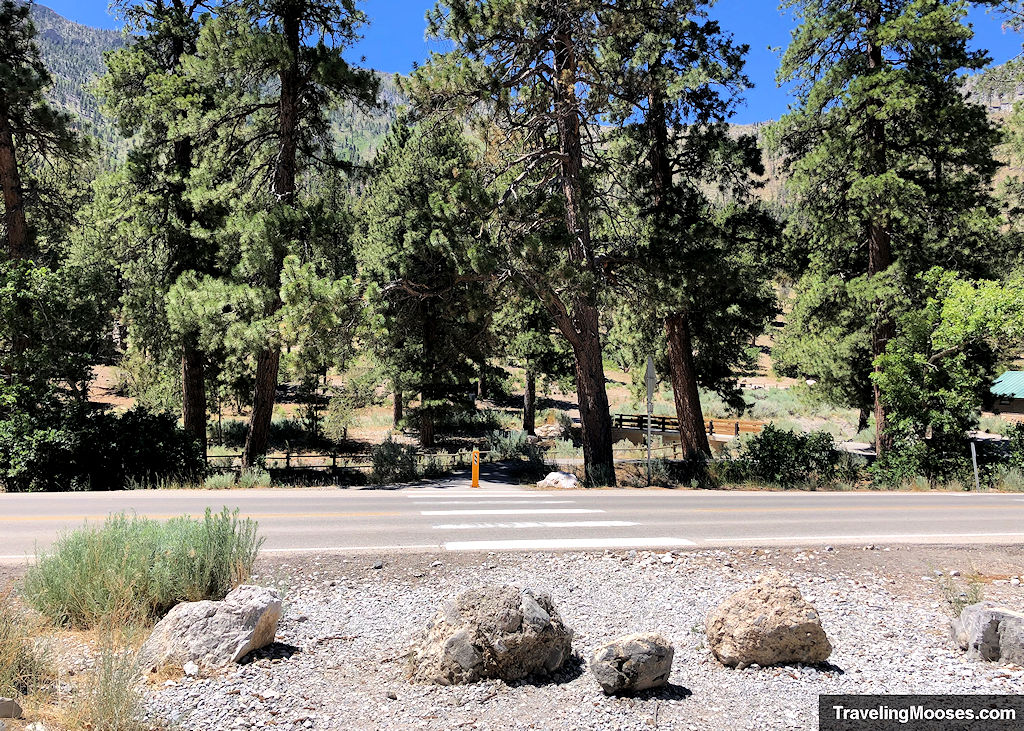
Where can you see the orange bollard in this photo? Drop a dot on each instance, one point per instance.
(476, 468)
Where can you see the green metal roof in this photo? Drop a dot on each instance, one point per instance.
(1009, 385)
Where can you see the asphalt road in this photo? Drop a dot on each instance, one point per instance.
(452, 516)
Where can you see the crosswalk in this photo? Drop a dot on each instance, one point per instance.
(526, 520)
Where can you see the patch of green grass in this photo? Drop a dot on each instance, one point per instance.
(134, 569)
(1008, 479)
(961, 594)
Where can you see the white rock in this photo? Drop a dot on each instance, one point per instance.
(191, 669)
(214, 634)
(559, 480)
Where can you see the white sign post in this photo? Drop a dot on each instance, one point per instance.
(652, 384)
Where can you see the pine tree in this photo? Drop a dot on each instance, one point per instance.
(32, 132)
(163, 228)
(428, 273)
(673, 78)
(531, 65)
(890, 164)
(281, 65)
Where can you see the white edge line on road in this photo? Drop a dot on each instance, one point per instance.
(513, 511)
(888, 537)
(565, 543)
(342, 549)
(539, 524)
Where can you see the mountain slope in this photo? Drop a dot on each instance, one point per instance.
(74, 55)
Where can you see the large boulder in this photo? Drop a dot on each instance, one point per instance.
(990, 632)
(768, 624)
(214, 634)
(491, 632)
(632, 663)
(559, 481)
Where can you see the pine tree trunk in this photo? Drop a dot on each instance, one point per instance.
(282, 194)
(530, 402)
(193, 386)
(258, 438)
(879, 245)
(397, 408)
(582, 327)
(692, 435)
(10, 182)
(595, 416)
(682, 369)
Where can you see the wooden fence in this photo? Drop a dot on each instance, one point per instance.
(722, 427)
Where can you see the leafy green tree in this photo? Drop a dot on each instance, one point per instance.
(889, 163)
(427, 270)
(530, 67)
(280, 64)
(934, 374)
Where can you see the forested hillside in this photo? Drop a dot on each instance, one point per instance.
(74, 55)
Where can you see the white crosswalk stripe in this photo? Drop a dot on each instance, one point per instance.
(511, 511)
(519, 525)
(495, 502)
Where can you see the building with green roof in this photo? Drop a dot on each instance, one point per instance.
(1008, 393)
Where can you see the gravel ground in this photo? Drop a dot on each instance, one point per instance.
(339, 657)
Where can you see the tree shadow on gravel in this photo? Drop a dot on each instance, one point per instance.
(273, 651)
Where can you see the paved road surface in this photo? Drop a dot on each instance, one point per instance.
(452, 516)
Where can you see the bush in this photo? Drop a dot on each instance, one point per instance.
(509, 444)
(394, 462)
(77, 449)
(136, 569)
(1015, 433)
(787, 457)
(23, 667)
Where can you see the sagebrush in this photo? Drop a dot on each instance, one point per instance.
(136, 569)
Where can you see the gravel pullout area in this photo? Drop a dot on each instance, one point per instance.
(338, 662)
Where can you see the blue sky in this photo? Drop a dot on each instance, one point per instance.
(394, 40)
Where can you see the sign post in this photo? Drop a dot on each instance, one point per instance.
(476, 468)
(652, 383)
(974, 459)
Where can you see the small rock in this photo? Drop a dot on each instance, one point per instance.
(829, 548)
(392, 695)
(9, 708)
(632, 663)
(559, 480)
(378, 564)
(35, 727)
(191, 669)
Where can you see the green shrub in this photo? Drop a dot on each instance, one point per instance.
(23, 665)
(394, 462)
(509, 444)
(787, 458)
(220, 481)
(1008, 478)
(78, 449)
(252, 477)
(136, 569)
(1015, 433)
